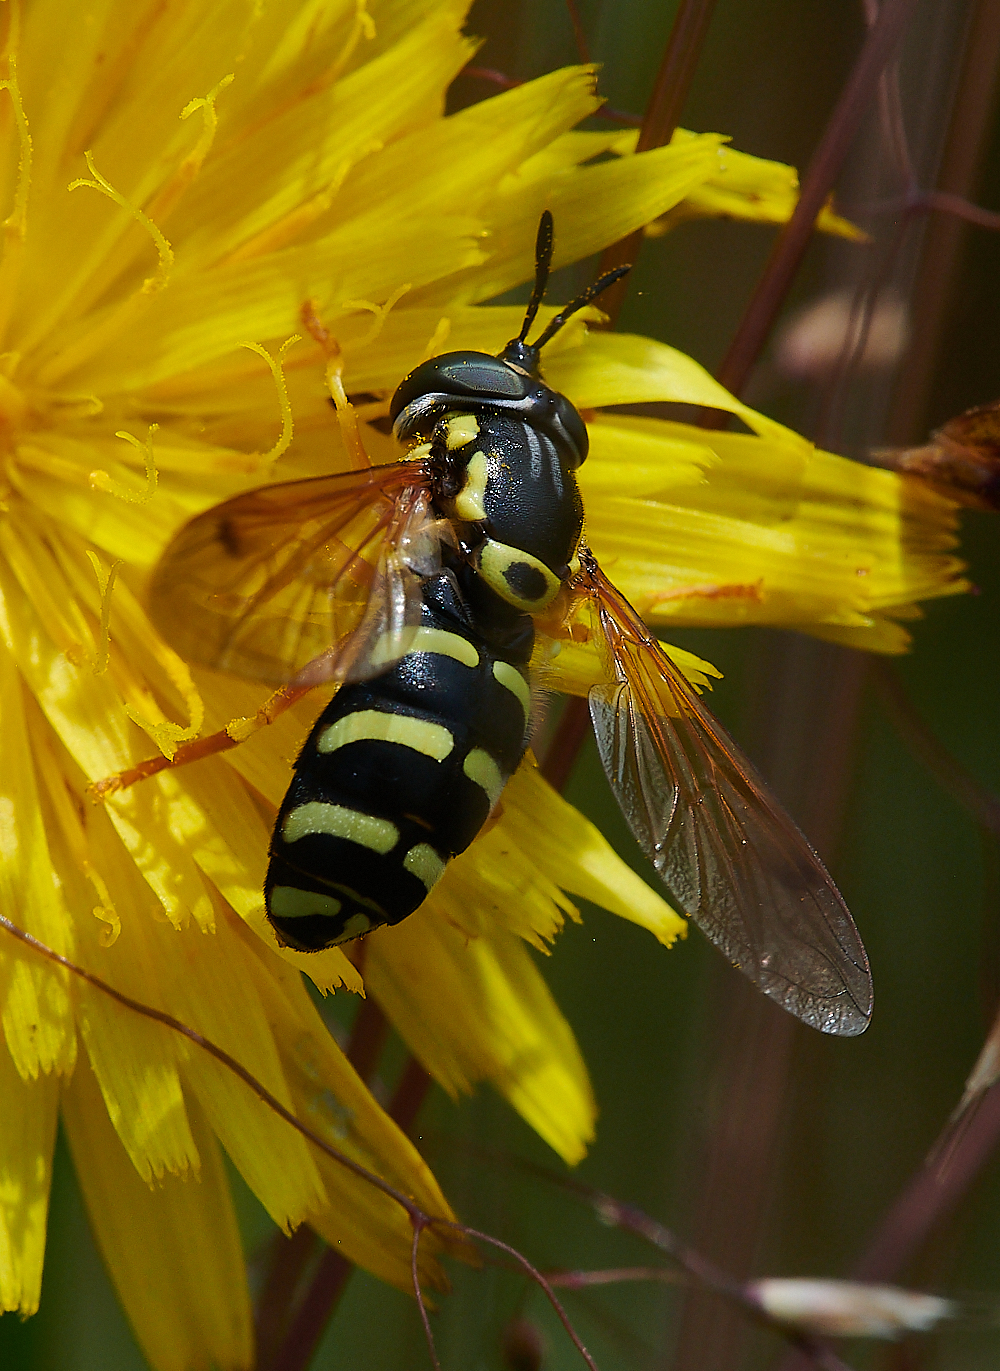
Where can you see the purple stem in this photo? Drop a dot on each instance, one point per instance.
(786, 256)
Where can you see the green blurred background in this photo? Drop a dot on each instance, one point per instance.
(684, 1069)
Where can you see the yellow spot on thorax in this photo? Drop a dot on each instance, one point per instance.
(460, 430)
(500, 565)
(470, 503)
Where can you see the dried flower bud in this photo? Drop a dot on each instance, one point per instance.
(962, 458)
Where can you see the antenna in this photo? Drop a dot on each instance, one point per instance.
(523, 355)
(591, 293)
(543, 261)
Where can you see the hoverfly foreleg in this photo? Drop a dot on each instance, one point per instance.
(346, 416)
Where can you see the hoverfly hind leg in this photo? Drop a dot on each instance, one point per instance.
(234, 733)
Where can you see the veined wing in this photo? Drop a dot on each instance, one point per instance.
(722, 844)
(297, 581)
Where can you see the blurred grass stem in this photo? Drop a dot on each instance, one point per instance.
(663, 113)
(879, 48)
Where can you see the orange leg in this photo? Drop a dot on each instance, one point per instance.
(346, 416)
(234, 733)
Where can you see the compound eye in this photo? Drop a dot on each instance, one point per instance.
(459, 375)
(572, 422)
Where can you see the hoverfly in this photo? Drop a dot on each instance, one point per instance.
(418, 587)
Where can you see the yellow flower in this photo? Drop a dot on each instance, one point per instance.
(176, 182)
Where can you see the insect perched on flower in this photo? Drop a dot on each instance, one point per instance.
(421, 587)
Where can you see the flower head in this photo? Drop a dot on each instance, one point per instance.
(177, 181)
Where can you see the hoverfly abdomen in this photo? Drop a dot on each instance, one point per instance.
(399, 774)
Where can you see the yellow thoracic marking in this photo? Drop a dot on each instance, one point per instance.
(289, 902)
(499, 564)
(339, 822)
(433, 740)
(437, 640)
(461, 429)
(424, 863)
(480, 767)
(469, 502)
(510, 677)
(421, 450)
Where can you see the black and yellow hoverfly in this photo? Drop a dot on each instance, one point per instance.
(419, 587)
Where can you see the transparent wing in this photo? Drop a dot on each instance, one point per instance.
(305, 581)
(725, 848)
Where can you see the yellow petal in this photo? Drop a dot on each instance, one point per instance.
(478, 1009)
(756, 190)
(135, 1061)
(265, 762)
(540, 824)
(633, 456)
(208, 314)
(216, 996)
(576, 667)
(457, 163)
(591, 206)
(740, 187)
(308, 147)
(625, 369)
(823, 543)
(358, 1219)
(26, 1140)
(173, 1251)
(483, 891)
(36, 1007)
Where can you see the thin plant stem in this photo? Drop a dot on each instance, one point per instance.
(759, 317)
(971, 794)
(287, 1260)
(568, 738)
(954, 1162)
(418, 1217)
(289, 1257)
(663, 113)
(968, 128)
(579, 35)
(318, 1305)
(421, 1305)
(310, 1319)
(542, 1282)
(968, 1140)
